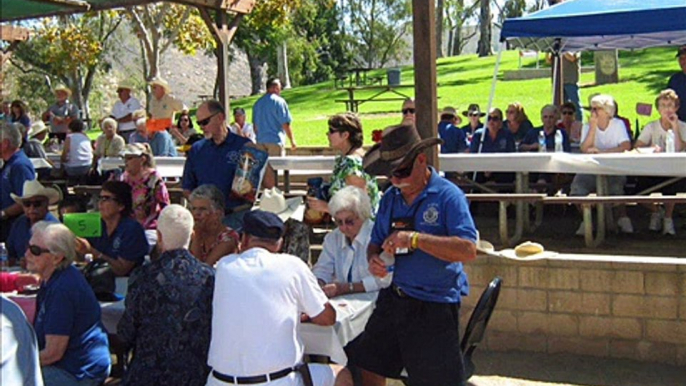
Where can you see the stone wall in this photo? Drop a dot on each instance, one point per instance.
(623, 307)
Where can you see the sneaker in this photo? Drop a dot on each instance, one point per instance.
(668, 227)
(581, 231)
(655, 221)
(624, 224)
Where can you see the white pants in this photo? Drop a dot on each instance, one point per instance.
(322, 375)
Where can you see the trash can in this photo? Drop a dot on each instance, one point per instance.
(393, 75)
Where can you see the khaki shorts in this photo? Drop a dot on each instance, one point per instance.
(274, 149)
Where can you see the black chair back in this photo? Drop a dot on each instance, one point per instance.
(476, 326)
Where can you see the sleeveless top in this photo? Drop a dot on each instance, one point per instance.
(80, 150)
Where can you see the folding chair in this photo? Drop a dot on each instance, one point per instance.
(476, 327)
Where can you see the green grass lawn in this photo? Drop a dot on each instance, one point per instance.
(467, 79)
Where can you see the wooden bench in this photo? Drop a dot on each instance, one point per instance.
(504, 200)
(587, 204)
(352, 105)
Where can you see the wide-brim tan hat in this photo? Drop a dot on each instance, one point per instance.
(63, 88)
(273, 200)
(124, 84)
(473, 109)
(162, 83)
(37, 128)
(398, 143)
(33, 188)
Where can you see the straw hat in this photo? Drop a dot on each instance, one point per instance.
(162, 83)
(473, 109)
(37, 128)
(398, 143)
(63, 88)
(124, 84)
(273, 201)
(33, 188)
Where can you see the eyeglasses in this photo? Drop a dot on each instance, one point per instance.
(35, 204)
(404, 172)
(107, 198)
(350, 221)
(474, 114)
(205, 121)
(408, 111)
(494, 118)
(567, 113)
(37, 251)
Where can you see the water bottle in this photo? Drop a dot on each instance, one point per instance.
(541, 141)
(669, 147)
(4, 259)
(558, 141)
(88, 257)
(389, 260)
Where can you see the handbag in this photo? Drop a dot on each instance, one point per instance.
(100, 277)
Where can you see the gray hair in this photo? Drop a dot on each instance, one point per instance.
(605, 102)
(210, 193)
(175, 225)
(109, 122)
(353, 199)
(12, 133)
(552, 108)
(58, 240)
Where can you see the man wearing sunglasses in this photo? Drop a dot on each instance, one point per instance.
(214, 159)
(424, 221)
(34, 202)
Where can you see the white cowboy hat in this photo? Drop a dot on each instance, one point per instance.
(33, 188)
(37, 128)
(63, 88)
(124, 84)
(273, 200)
(162, 83)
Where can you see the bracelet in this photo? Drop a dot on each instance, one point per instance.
(414, 240)
(351, 288)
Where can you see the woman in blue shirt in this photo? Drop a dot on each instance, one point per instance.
(71, 338)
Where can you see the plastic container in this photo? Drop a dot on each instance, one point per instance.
(541, 142)
(558, 142)
(4, 259)
(669, 142)
(389, 260)
(393, 76)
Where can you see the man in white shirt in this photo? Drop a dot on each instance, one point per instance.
(260, 297)
(123, 110)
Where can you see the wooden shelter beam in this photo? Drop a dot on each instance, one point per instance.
(424, 27)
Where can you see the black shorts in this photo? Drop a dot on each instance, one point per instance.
(407, 333)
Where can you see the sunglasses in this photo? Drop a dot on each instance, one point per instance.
(332, 131)
(408, 111)
(34, 204)
(348, 222)
(474, 115)
(106, 198)
(205, 121)
(37, 251)
(567, 113)
(494, 118)
(404, 172)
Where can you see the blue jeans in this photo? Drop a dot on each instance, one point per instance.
(55, 376)
(571, 94)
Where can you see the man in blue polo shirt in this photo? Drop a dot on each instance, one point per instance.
(16, 169)
(677, 82)
(272, 124)
(214, 160)
(424, 221)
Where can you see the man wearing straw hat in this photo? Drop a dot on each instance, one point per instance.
(123, 109)
(163, 105)
(35, 201)
(424, 221)
(61, 113)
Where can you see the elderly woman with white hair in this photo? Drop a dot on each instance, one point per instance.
(342, 267)
(109, 143)
(211, 239)
(160, 142)
(172, 342)
(603, 134)
(71, 337)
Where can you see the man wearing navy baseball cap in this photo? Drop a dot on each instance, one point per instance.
(678, 82)
(259, 296)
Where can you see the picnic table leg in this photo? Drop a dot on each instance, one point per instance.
(522, 186)
(588, 225)
(286, 181)
(504, 228)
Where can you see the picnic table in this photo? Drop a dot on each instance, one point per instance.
(352, 104)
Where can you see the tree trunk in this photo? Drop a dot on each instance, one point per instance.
(484, 48)
(439, 29)
(282, 65)
(257, 70)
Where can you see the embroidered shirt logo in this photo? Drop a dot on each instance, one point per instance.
(430, 215)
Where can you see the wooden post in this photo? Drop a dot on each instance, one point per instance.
(424, 26)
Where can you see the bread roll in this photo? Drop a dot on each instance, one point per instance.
(528, 248)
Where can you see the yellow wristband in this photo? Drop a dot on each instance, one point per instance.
(414, 240)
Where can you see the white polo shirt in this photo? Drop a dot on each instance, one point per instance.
(122, 109)
(258, 299)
